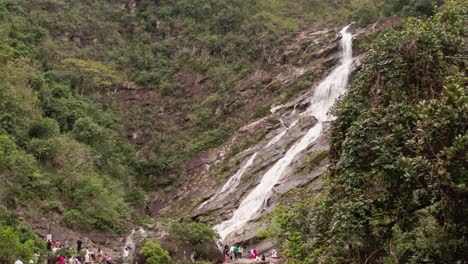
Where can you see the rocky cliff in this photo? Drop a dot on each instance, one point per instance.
(198, 196)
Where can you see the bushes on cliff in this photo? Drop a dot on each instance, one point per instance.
(42, 166)
(397, 190)
(366, 12)
(398, 147)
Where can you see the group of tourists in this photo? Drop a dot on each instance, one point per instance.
(67, 254)
(97, 256)
(235, 252)
(232, 252)
(64, 257)
(56, 245)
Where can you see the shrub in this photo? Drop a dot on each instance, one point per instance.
(44, 128)
(198, 236)
(136, 197)
(74, 218)
(16, 239)
(154, 253)
(7, 150)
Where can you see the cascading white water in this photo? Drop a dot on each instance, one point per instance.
(233, 182)
(136, 234)
(281, 134)
(324, 97)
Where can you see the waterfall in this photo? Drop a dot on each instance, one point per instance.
(281, 134)
(233, 182)
(325, 95)
(135, 236)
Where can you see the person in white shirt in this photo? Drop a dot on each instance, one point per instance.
(274, 254)
(18, 261)
(231, 252)
(125, 255)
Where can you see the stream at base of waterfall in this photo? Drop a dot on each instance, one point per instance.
(324, 97)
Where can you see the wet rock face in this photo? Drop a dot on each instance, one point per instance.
(222, 207)
(203, 170)
(205, 179)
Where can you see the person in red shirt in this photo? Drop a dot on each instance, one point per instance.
(61, 259)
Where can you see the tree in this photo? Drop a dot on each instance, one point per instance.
(198, 236)
(44, 128)
(7, 150)
(91, 76)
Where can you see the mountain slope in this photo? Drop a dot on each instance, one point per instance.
(104, 102)
(397, 186)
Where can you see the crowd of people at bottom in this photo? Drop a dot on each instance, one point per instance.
(90, 256)
(65, 253)
(235, 252)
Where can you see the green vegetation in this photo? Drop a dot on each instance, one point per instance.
(64, 150)
(62, 153)
(16, 238)
(397, 190)
(290, 227)
(196, 236)
(177, 45)
(365, 12)
(154, 254)
(313, 161)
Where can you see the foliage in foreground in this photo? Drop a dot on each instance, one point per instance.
(17, 240)
(154, 254)
(398, 186)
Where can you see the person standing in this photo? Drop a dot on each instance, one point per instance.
(231, 253)
(274, 254)
(49, 244)
(88, 252)
(125, 255)
(99, 255)
(241, 251)
(87, 257)
(67, 244)
(78, 245)
(236, 252)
